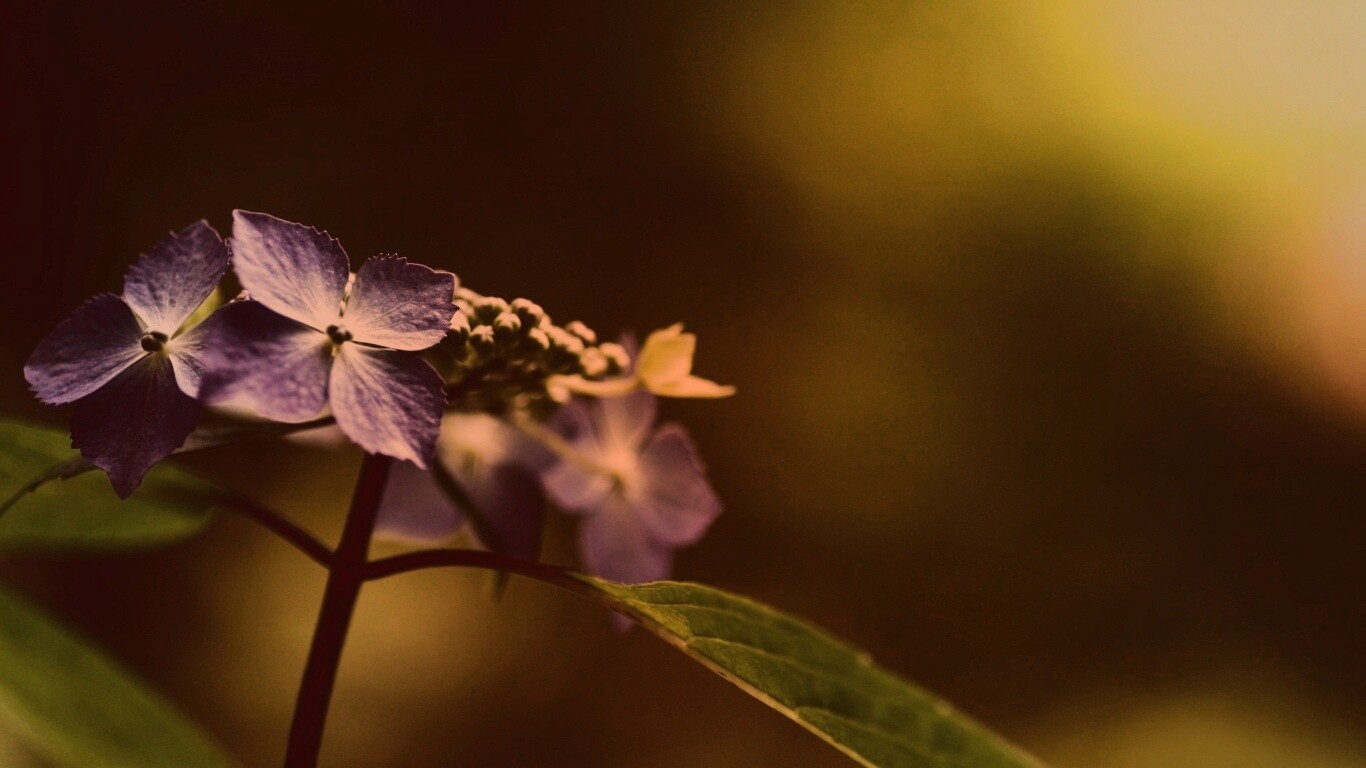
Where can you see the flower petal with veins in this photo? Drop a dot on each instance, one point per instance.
(168, 282)
(266, 362)
(296, 270)
(400, 305)
(388, 402)
(85, 351)
(134, 421)
(673, 498)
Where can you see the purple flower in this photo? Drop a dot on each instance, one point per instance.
(495, 464)
(313, 335)
(127, 363)
(642, 492)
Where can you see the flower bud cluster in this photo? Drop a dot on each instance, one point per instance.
(500, 355)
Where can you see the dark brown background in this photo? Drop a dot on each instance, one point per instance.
(1041, 397)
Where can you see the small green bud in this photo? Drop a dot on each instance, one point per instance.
(460, 326)
(487, 308)
(617, 358)
(593, 362)
(507, 327)
(531, 313)
(582, 331)
(481, 340)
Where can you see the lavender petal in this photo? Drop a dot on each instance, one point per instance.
(400, 305)
(168, 282)
(265, 362)
(574, 488)
(512, 503)
(415, 509)
(624, 422)
(615, 545)
(388, 402)
(296, 270)
(136, 420)
(85, 351)
(672, 496)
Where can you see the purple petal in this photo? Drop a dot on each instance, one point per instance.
(511, 501)
(298, 271)
(263, 361)
(671, 494)
(624, 422)
(576, 489)
(414, 507)
(387, 402)
(85, 351)
(400, 305)
(168, 282)
(187, 356)
(136, 420)
(615, 545)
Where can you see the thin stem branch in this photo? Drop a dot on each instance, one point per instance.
(279, 525)
(346, 574)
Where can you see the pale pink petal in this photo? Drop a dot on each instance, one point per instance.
(624, 422)
(256, 359)
(168, 282)
(85, 351)
(400, 305)
(415, 508)
(133, 422)
(671, 494)
(574, 488)
(387, 402)
(296, 270)
(615, 545)
(186, 351)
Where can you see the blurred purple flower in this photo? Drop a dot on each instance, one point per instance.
(642, 492)
(309, 336)
(495, 464)
(131, 369)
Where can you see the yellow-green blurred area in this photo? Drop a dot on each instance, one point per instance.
(1048, 321)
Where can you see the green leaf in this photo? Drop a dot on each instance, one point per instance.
(829, 688)
(78, 708)
(59, 504)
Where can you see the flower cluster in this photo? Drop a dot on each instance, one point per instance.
(495, 410)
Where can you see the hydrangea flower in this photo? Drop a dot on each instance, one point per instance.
(128, 364)
(495, 464)
(663, 367)
(641, 492)
(313, 335)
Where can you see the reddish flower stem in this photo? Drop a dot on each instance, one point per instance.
(346, 574)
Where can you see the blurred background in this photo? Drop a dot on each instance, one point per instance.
(1048, 321)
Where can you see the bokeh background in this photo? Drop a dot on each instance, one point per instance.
(1048, 321)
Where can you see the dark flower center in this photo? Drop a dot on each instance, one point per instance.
(153, 341)
(338, 334)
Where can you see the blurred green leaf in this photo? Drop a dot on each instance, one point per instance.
(829, 688)
(73, 508)
(80, 709)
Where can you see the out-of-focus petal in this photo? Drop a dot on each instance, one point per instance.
(561, 387)
(256, 359)
(513, 505)
(133, 422)
(400, 305)
(388, 402)
(576, 489)
(666, 356)
(296, 270)
(415, 509)
(85, 351)
(492, 440)
(672, 496)
(168, 282)
(693, 386)
(625, 421)
(614, 544)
